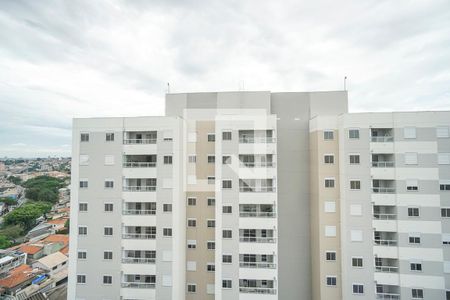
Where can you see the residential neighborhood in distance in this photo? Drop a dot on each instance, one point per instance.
(34, 221)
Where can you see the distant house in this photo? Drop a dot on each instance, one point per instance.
(40, 230)
(9, 259)
(57, 224)
(52, 263)
(33, 252)
(17, 279)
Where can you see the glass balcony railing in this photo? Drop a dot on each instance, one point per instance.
(255, 290)
(383, 216)
(138, 212)
(382, 139)
(257, 239)
(138, 260)
(381, 242)
(257, 265)
(138, 285)
(141, 188)
(388, 296)
(383, 164)
(383, 190)
(139, 164)
(257, 214)
(139, 141)
(139, 236)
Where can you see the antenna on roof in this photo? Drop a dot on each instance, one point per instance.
(168, 88)
(345, 83)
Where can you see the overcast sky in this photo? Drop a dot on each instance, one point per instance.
(65, 59)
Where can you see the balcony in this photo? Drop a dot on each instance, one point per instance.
(256, 136)
(139, 208)
(140, 137)
(139, 281)
(384, 212)
(381, 186)
(140, 185)
(386, 265)
(139, 161)
(383, 161)
(253, 286)
(256, 236)
(387, 292)
(256, 261)
(256, 161)
(385, 238)
(256, 185)
(139, 232)
(256, 211)
(139, 257)
(382, 135)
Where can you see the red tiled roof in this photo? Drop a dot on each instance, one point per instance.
(63, 238)
(65, 250)
(57, 221)
(16, 276)
(30, 249)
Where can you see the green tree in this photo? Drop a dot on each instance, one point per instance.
(15, 180)
(8, 201)
(27, 214)
(4, 242)
(32, 193)
(47, 195)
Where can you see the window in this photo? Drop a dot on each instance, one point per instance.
(211, 179)
(409, 132)
(82, 207)
(107, 279)
(442, 132)
(414, 238)
(227, 234)
(355, 184)
(354, 159)
(415, 266)
(444, 185)
(210, 267)
(413, 212)
(328, 158)
(330, 231)
(192, 159)
(358, 288)
(357, 262)
(226, 184)
(84, 137)
(81, 279)
(329, 182)
(211, 201)
(192, 222)
(227, 258)
(412, 185)
(330, 206)
(84, 160)
(167, 232)
(328, 135)
(191, 288)
(109, 207)
(417, 293)
(109, 184)
(331, 280)
(211, 223)
(353, 133)
(82, 230)
(167, 159)
(82, 254)
(226, 159)
(356, 235)
(211, 137)
(446, 267)
(445, 212)
(108, 255)
(167, 207)
(330, 256)
(210, 245)
(192, 244)
(109, 160)
(192, 201)
(410, 158)
(226, 284)
(444, 158)
(108, 231)
(211, 159)
(227, 209)
(356, 209)
(447, 295)
(83, 184)
(110, 137)
(226, 136)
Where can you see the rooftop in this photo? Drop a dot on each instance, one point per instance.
(30, 249)
(17, 276)
(53, 260)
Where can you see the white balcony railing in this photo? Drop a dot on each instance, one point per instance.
(136, 164)
(139, 236)
(383, 164)
(257, 239)
(138, 260)
(262, 189)
(257, 164)
(385, 242)
(143, 188)
(379, 216)
(253, 140)
(138, 212)
(388, 296)
(383, 190)
(138, 285)
(382, 139)
(257, 214)
(139, 141)
(257, 265)
(255, 290)
(386, 269)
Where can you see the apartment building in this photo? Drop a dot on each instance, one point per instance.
(260, 195)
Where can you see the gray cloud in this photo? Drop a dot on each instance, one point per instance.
(65, 59)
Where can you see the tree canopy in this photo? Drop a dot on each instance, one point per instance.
(43, 188)
(27, 214)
